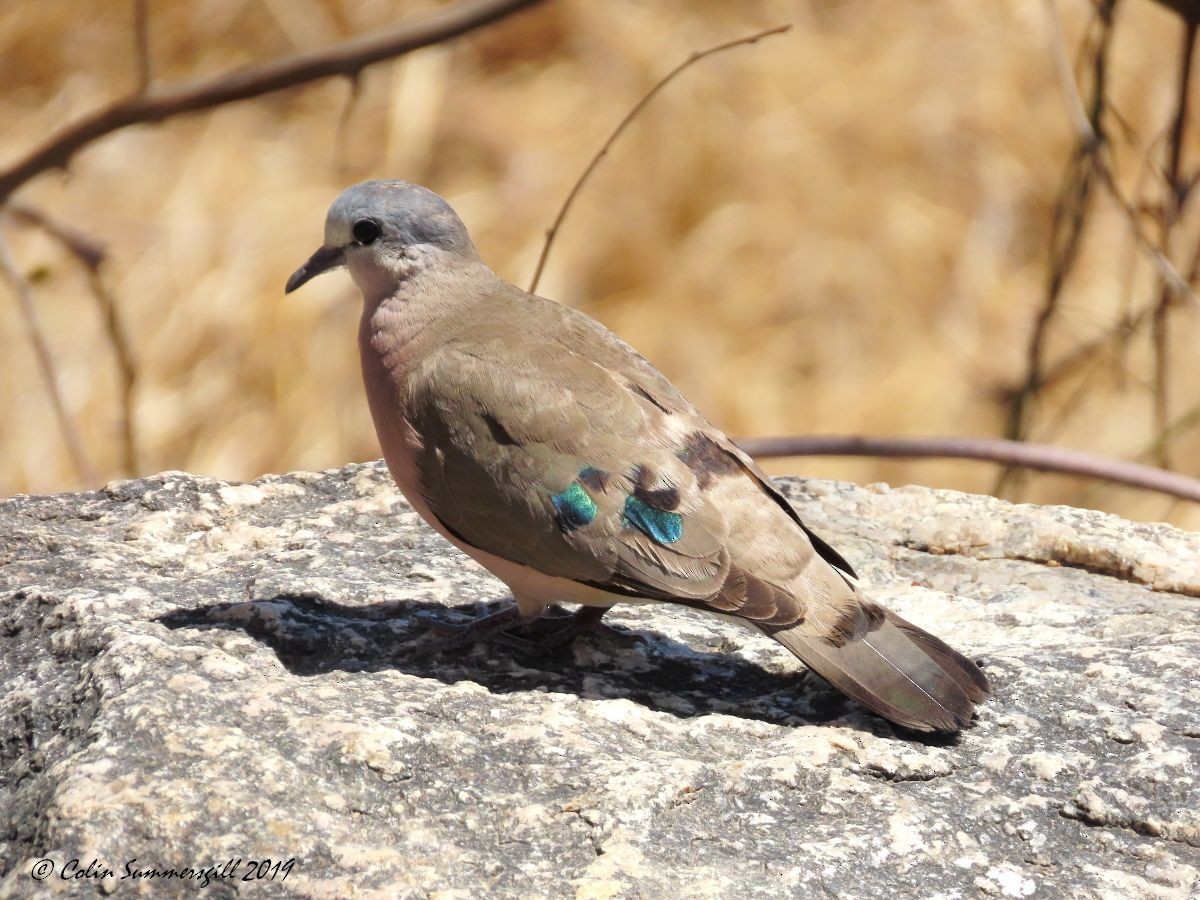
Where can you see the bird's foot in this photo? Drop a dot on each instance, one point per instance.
(535, 637)
(585, 620)
(488, 627)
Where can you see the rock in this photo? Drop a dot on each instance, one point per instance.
(222, 680)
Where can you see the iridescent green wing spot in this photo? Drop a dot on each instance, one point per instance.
(574, 506)
(659, 524)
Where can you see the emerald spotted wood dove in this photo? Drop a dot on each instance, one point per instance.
(550, 451)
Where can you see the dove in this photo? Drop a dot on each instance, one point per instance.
(547, 449)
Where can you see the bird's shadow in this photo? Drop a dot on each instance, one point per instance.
(312, 635)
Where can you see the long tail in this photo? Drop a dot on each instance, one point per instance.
(898, 670)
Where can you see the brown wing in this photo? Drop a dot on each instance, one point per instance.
(574, 456)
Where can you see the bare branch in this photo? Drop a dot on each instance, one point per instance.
(1083, 353)
(1171, 214)
(1066, 77)
(1089, 166)
(1181, 425)
(1128, 322)
(1188, 9)
(1194, 269)
(45, 358)
(1091, 135)
(1057, 421)
(1070, 212)
(1040, 457)
(141, 44)
(695, 57)
(345, 119)
(347, 58)
(91, 255)
(1166, 269)
(87, 250)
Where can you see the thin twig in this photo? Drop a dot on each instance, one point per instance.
(1060, 418)
(1130, 257)
(1166, 269)
(1041, 457)
(1091, 134)
(45, 358)
(1066, 77)
(1194, 269)
(1171, 214)
(1081, 354)
(1067, 231)
(1070, 213)
(126, 368)
(141, 44)
(346, 58)
(1185, 422)
(1089, 164)
(345, 118)
(86, 249)
(91, 254)
(693, 58)
(1188, 9)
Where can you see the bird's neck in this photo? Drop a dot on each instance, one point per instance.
(405, 319)
(400, 329)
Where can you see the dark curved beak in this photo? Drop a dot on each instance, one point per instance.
(322, 261)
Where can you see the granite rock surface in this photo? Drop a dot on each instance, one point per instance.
(197, 676)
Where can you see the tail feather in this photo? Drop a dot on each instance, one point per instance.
(968, 675)
(898, 670)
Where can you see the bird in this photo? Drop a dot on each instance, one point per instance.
(550, 451)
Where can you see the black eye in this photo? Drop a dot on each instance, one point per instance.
(365, 231)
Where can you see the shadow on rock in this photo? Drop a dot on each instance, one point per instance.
(313, 636)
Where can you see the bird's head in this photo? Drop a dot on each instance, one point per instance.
(383, 232)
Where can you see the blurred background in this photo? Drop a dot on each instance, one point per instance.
(843, 229)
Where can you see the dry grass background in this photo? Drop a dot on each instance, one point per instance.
(843, 229)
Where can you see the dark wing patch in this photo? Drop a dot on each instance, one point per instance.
(648, 397)
(499, 433)
(653, 491)
(826, 552)
(709, 460)
(594, 479)
(706, 458)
